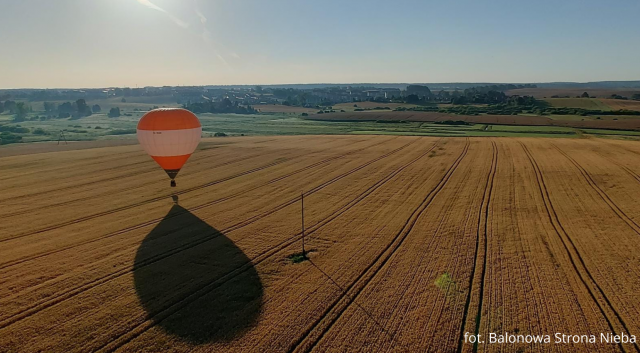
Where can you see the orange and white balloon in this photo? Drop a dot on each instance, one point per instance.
(169, 136)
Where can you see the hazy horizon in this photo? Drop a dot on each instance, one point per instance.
(129, 43)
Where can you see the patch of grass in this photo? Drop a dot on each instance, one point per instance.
(445, 282)
(298, 257)
(533, 129)
(610, 132)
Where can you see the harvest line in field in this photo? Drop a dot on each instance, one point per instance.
(74, 291)
(130, 335)
(482, 212)
(582, 271)
(218, 181)
(320, 327)
(482, 236)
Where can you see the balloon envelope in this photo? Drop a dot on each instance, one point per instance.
(169, 136)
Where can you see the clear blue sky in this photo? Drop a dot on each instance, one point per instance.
(98, 43)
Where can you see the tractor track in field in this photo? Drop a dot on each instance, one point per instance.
(123, 175)
(365, 277)
(110, 179)
(117, 157)
(105, 193)
(141, 203)
(64, 203)
(569, 245)
(603, 195)
(71, 187)
(204, 205)
(77, 290)
(181, 192)
(626, 169)
(481, 234)
(424, 262)
(155, 318)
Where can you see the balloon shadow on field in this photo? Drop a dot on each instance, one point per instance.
(194, 282)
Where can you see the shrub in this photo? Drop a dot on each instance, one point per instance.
(7, 138)
(39, 131)
(445, 282)
(219, 134)
(14, 129)
(298, 257)
(114, 112)
(451, 122)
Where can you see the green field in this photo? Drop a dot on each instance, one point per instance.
(100, 126)
(610, 132)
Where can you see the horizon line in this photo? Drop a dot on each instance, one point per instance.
(334, 84)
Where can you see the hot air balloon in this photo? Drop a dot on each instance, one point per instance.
(169, 136)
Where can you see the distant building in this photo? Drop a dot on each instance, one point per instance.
(375, 93)
(391, 92)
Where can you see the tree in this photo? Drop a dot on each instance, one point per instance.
(49, 107)
(636, 97)
(10, 106)
(96, 108)
(21, 111)
(413, 99)
(459, 100)
(1, 107)
(65, 110)
(418, 90)
(82, 109)
(114, 112)
(585, 95)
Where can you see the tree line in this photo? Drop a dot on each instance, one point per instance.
(223, 106)
(78, 109)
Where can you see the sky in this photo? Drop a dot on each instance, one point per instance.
(137, 43)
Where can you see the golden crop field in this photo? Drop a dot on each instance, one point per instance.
(413, 241)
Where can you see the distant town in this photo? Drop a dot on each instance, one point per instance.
(297, 95)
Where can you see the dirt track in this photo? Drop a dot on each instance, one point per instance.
(533, 236)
